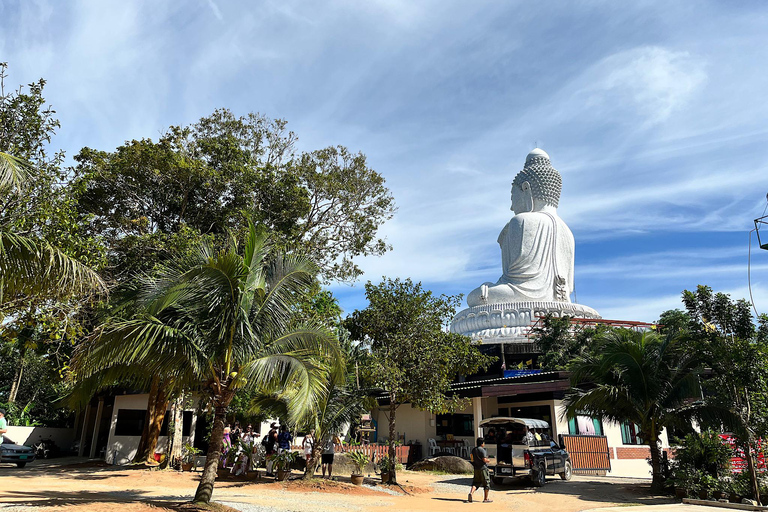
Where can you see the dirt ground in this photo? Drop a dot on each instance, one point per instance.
(95, 487)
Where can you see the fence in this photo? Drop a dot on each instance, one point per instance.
(375, 451)
(588, 453)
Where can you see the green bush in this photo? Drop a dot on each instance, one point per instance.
(701, 463)
(360, 460)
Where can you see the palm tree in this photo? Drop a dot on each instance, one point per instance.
(225, 320)
(335, 408)
(635, 377)
(31, 266)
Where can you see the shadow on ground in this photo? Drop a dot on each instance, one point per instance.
(608, 490)
(59, 498)
(69, 468)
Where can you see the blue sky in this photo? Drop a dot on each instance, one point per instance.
(655, 113)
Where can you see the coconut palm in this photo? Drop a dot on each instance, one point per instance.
(335, 408)
(225, 320)
(635, 377)
(32, 266)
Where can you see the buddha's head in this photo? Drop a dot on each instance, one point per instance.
(538, 185)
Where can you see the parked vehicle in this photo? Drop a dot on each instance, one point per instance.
(46, 448)
(520, 455)
(16, 453)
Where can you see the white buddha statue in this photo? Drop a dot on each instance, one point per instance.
(537, 248)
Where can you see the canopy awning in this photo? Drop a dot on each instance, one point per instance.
(504, 420)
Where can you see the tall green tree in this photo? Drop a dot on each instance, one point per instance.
(46, 276)
(560, 341)
(222, 319)
(636, 377)
(222, 172)
(723, 334)
(414, 358)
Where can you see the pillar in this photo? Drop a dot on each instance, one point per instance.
(99, 411)
(477, 410)
(84, 432)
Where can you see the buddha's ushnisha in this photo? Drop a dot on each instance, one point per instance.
(537, 247)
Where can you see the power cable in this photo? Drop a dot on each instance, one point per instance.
(749, 273)
(749, 259)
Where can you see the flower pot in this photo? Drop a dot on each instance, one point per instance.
(357, 479)
(385, 478)
(681, 493)
(734, 498)
(703, 494)
(283, 474)
(187, 466)
(717, 494)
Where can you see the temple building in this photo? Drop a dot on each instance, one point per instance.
(537, 279)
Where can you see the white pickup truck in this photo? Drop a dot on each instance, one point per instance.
(517, 454)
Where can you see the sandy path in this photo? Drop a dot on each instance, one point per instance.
(82, 488)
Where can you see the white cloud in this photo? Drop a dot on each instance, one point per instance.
(651, 80)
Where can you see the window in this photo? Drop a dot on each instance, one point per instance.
(585, 426)
(130, 422)
(456, 424)
(186, 423)
(630, 434)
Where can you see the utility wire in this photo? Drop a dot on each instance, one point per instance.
(749, 273)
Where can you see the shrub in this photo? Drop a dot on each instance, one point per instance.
(360, 460)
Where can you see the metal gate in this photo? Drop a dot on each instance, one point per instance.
(588, 453)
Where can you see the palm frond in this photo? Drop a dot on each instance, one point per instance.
(14, 172)
(35, 267)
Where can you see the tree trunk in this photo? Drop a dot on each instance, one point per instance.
(173, 448)
(17, 379)
(392, 434)
(156, 425)
(752, 472)
(657, 484)
(314, 461)
(208, 478)
(141, 450)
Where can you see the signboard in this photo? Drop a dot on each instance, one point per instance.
(738, 461)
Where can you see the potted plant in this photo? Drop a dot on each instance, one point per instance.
(707, 483)
(189, 455)
(360, 460)
(385, 468)
(283, 461)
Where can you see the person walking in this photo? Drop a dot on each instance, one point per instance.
(308, 444)
(226, 446)
(270, 444)
(284, 439)
(482, 478)
(3, 426)
(327, 457)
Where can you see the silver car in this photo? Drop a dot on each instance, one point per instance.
(16, 453)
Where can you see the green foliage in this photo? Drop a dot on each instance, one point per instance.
(46, 284)
(360, 460)
(413, 356)
(189, 452)
(221, 321)
(701, 462)
(723, 335)
(385, 465)
(673, 321)
(636, 377)
(284, 459)
(18, 415)
(224, 171)
(560, 341)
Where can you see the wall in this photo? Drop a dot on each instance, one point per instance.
(122, 449)
(63, 437)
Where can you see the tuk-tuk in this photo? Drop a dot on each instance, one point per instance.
(522, 447)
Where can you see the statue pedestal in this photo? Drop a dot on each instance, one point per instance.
(509, 322)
